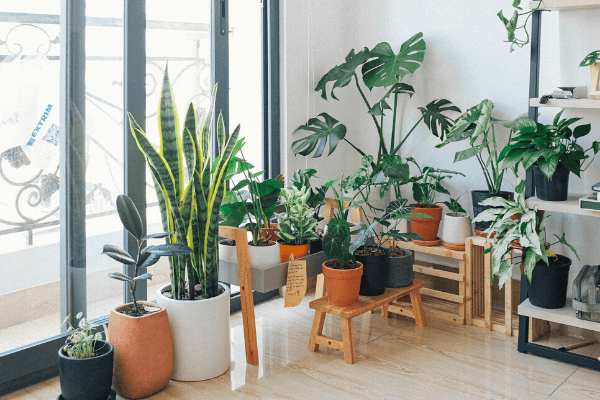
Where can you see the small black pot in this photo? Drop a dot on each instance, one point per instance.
(548, 288)
(87, 378)
(315, 246)
(375, 270)
(556, 189)
(477, 196)
(400, 273)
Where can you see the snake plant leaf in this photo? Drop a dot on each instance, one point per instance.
(382, 105)
(159, 235)
(119, 276)
(221, 135)
(171, 147)
(342, 74)
(118, 254)
(434, 118)
(590, 59)
(143, 277)
(325, 130)
(386, 68)
(189, 133)
(130, 217)
(149, 260)
(205, 135)
(172, 249)
(163, 204)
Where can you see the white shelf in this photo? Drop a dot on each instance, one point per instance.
(570, 206)
(565, 5)
(565, 316)
(566, 103)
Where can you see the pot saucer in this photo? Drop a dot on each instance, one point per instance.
(454, 246)
(428, 243)
(111, 396)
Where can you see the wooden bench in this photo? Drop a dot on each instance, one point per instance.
(363, 305)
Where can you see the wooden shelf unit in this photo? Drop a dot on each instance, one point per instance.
(564, 315)
(566, 103)
(570, 206)
(565, 5)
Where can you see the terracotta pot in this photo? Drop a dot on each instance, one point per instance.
(269, 232)
(298, 250)
(342, 285)
(426, 227)
(143, 351)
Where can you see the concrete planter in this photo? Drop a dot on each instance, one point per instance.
(457, 228)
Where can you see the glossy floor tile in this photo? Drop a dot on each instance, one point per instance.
(395, 360)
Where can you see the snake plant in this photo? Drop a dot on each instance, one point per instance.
(189, 208)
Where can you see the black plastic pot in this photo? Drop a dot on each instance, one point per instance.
(548, 288)
(400, 272)
(375, 270)
(87, 378)
(477, 196)
(556, 189)
(315, 246)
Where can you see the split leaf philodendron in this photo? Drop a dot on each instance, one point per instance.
(189, 209)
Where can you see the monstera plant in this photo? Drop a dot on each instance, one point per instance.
(379, 67)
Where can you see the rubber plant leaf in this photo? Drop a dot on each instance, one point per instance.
(130, 217)
(119, 276)
(324, 130)
(386, 68)
(150, 260)
(433, 116)
(342, 74)
(145, 276)
(172, 249)
(118, 254)
(158, 235)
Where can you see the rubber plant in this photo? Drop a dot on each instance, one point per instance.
(380, 67)
(189, 209)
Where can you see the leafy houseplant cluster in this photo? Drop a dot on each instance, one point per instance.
(81, 342)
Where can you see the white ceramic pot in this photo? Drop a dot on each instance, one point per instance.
(457, 228)
(227, 252)
(200, 330)
(259, 255)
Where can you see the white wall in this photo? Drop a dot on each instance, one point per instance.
(466, 61)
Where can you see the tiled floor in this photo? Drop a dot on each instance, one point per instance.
(395, 360)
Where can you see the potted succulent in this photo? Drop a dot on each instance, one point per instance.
(342, 272)
(197, 304)
(425, 187)
(457, 226)
(85, 363)
(478, 127)
(546, 272)
(591, 60)
(139, 331)
(552, 151)
(253, 202)
(296, 225)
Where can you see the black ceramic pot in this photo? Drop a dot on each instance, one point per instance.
(87, 378)
(315, 246)
(548, 288)
(400, 272)
(477, 196)
(375, 270)
(556, 189)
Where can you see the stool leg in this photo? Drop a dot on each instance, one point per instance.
(320, 289)
(384, 310)
(417, 308)
(348, 335)
(317, 329)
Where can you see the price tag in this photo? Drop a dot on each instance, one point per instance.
(296, 282)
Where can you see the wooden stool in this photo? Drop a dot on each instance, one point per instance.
(363, 305)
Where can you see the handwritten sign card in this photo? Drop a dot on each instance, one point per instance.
(296, 282)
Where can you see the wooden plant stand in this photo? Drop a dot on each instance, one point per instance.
(363, 305)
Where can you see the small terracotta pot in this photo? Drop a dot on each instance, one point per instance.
(143, 351)
(342, 285)
(426, 227)
(298, 250)
(269, 232)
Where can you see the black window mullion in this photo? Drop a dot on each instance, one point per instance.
(219, 63)
(271, 104)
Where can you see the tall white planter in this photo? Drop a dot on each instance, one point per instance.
(200, 330)
(457, 228)
(259, 255)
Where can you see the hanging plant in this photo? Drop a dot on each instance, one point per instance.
(512, 24)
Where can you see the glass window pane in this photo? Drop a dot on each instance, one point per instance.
(29, 218)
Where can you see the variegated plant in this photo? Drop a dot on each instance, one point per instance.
(189, 208)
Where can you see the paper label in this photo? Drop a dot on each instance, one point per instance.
(296, 282)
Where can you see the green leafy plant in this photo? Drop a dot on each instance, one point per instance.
(590, 59)
(337, 241)
(81, 340)
(512, 24)
(428, 183)
(380, 67)
(528, 229)
(256, 204)
(548, 145)
(190, 209)
(301, 178)
(145, 256)
(477, 126)
(454, 206)
(296, 225)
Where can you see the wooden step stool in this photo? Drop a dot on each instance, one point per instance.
(363, 305)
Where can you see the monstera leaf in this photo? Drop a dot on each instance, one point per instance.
(398, 88)
(590, 58)
(328, 129)
(387, 68)
(433, 116)
(342, 74)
